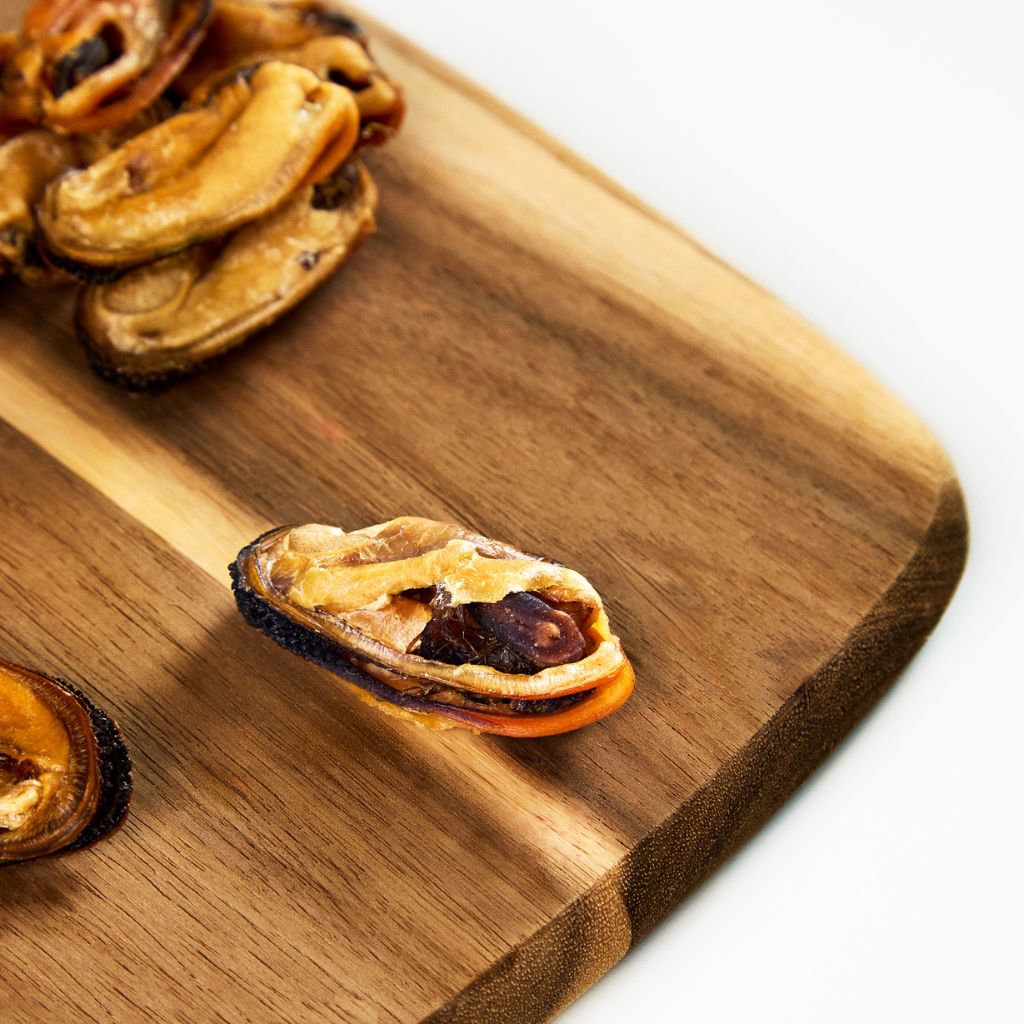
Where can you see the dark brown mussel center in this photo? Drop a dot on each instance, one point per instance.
(339, 77)
(14, 769)
(520, 634)
(339, 189)
(88, 57)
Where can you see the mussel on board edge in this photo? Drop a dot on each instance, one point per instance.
(65, 771)
(438, 625)
(240, 30)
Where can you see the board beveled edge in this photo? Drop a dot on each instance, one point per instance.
(566, 956)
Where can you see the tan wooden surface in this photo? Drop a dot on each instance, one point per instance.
(526, 350)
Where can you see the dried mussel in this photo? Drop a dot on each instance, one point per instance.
(325, 42)
(28, 163)
(202, 172)
(163, 320)
(239, 29)
(65, 774)
(438, 624)
(86, 66)
(93, 146)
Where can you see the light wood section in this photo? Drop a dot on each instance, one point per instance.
(532, 353)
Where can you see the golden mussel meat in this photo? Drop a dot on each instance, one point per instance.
(240, 29)
(338, 56)
(438, 624)
(343, 61)
(89, 65)
(65, 773)
(163, 320)
(28, 163)
(93, 146)
(201, 173)
(11, 123)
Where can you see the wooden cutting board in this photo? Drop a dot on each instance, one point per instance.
(525, 349)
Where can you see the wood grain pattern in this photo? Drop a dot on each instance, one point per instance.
(527, 350)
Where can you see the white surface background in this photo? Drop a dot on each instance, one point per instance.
(862, 160)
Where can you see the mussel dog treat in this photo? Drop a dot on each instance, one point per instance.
(308, 34)
(165, 319)
(84, 67)
(439, 625)
(65, 774)
(28, 162)
(203, 172)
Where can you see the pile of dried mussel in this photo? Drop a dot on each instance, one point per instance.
(193, 162)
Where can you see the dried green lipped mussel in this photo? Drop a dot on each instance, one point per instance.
(28, 163)
(201, 173)
(340, 59)
(438, 624)
(163, 320)
(65, 773)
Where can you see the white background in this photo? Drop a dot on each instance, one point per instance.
(862, 160)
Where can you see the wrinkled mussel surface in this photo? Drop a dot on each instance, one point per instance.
(201, 150)
(439, 624)
(65, 773)
(310, 35)
(203, 172)
(166, 318)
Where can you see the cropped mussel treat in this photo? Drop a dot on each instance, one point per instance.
(164, 317)
(439, 625)
(84, 66)
(194, 163)
(28, 162)
(65, 773)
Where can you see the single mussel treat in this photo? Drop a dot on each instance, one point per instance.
(438, 624)
(84, 67)
(203, 172)
(344, 61)
(337, 58)
(65, 773)
(165, 319)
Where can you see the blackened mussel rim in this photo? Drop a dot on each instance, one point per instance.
(113, 768)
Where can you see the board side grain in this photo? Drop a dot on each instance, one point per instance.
(558, 963)
(285, 847)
